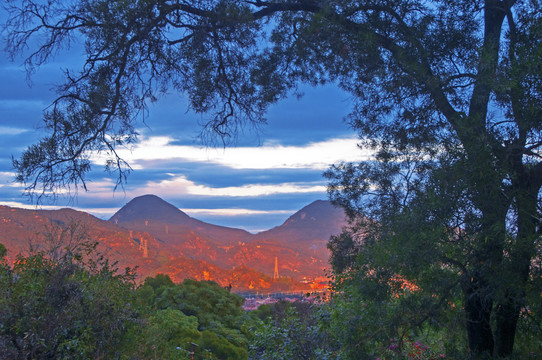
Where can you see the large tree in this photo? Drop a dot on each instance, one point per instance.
(447, 92)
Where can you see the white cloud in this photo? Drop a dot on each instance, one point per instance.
(26, 206)
(9, 131)
(234, 212)
(5, 175)
(180, 185)
(7, 180)
(317, 155)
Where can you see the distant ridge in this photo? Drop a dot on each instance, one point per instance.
(156, 236)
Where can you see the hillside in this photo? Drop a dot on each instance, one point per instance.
(156, 237)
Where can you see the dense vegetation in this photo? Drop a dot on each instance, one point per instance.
(69, 302)
(77, 306)
(444, 241)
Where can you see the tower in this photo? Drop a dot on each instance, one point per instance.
(145, 251)
(276, 273)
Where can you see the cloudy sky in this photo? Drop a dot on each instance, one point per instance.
(255, 185)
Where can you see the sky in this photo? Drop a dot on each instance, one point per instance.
(257, 184)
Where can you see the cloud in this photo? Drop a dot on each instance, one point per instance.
(20, 205)
(10, 131)
(316, 155)
(180, 185)
(7, 180)
(234, 212)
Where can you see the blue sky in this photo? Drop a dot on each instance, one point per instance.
(254, 185)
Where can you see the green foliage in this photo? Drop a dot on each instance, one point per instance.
(166, 332)
(152, 288)
(3, 251)
(206, 300)
(218, 324)
(447, 97)
(370, 315)
(221, 346)
(68, 310)
(158, 282)
(77, 307)
(293, 331)
(62, 310)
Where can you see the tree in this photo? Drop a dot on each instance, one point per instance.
(292, 331)
(448, 94)
(63, 308)
(3, 251)
(217, 321)
(453, 191)
(168, 333)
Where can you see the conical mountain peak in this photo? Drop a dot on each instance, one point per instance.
(150, 207)
(320, 212)
(315, 222)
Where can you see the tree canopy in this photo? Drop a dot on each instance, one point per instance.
(192, 312)
(447, 93)
(69, 304)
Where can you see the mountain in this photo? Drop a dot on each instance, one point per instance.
(21, 229)
(149, 212)
(157, 237)
(150, 207)
(299, 244)
(300, 241)
(311, 226)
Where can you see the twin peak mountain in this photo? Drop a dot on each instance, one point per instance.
(157, 237)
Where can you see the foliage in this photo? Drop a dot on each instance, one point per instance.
(62, 309)
(218, 324)
(77, 307)
(136, 52)
(168, 332)
(158, 282)
(292, 331)
(451, 200)
(407, 275)
(366, 328)
(219, 344)
(447, 96)
(3, 251)
(206, 300)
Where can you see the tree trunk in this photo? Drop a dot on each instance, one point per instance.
(506, 319)
(478, 307)
(521, 253)
(486, 262)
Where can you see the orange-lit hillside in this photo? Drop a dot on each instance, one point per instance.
(156, 237)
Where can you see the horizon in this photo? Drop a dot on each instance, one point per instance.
(107, 215)
(264, 177)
